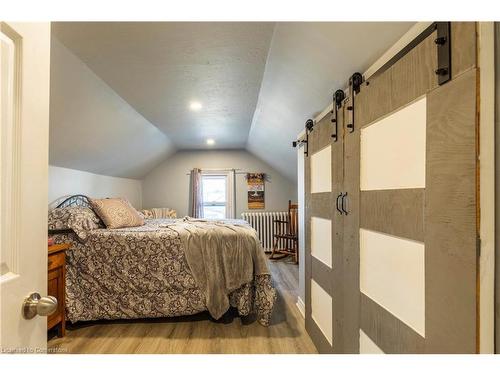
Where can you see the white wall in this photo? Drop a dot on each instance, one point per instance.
(65, 181)
(92, 128)
(168, 184)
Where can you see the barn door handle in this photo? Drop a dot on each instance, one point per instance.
(338, 204)
(344, 196)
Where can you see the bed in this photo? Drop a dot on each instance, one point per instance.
(164, 268)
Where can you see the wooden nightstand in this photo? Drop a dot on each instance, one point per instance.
(57, 286)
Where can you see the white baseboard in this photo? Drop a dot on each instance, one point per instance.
(301, 306)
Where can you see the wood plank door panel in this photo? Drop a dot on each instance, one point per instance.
(338, 235)
(414, 75)
(450, 217)
(350, 265)
(463, 45)
(318, 208)
(432, 217)
(323, 278)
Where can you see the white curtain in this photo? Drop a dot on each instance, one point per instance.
(196, 194)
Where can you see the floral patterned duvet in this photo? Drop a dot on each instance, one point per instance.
(142, 272)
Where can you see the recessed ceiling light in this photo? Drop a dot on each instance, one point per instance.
(195, 106)
(210, 142)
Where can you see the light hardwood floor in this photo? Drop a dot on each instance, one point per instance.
(199, 334)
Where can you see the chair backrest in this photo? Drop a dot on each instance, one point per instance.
(293, 215)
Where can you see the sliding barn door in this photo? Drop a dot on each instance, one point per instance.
(350, 280)
(417, 202)
(391, 207)
(324, 234)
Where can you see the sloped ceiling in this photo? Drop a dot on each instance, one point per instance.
(306, 63)
(160, 67)
(92, 128)
(257, 83)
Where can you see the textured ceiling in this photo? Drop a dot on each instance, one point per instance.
(160, 67)
(257, 82)
(306, 63)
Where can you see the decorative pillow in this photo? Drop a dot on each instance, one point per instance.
(117, 213)
(79, 219)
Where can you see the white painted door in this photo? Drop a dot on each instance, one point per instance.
(24, 98)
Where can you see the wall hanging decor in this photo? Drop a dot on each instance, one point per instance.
(255, 183)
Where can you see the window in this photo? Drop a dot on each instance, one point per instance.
(217, 195)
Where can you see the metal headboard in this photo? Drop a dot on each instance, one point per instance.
(76, 200)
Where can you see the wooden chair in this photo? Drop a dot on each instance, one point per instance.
(287, 235)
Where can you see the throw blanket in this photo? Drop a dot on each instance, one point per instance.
(222, 256)
(159, 213)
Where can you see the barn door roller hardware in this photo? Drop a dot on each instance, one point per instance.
(298, 142)
(338, 98)
(355, 82)
(443, 43)
(309, 128)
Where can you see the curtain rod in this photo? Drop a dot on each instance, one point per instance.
(219, 169)
(235, 170)
(266, 178)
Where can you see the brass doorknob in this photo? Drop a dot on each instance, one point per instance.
(34, 305)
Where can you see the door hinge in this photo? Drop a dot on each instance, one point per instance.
(478, 247)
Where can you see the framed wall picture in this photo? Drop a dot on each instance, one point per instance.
(255, 182)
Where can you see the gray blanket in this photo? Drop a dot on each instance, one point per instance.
(222, 257)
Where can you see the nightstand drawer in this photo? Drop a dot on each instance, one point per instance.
(56, 286)
(56, 260)
(55, 289)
